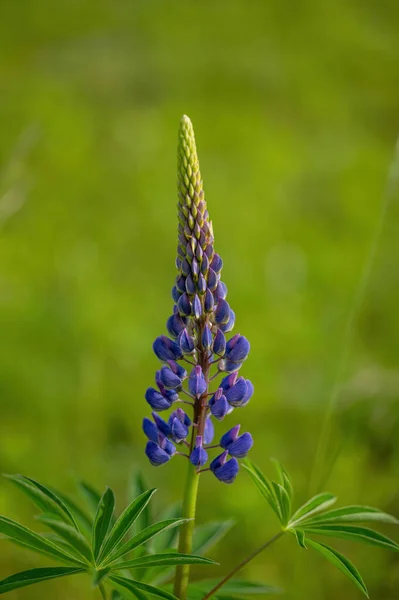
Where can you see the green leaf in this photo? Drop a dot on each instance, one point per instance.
(300, 537)
(102, 520)
(142, 537)
(341, 562)
(91, 496)
(167, 540)
(43, 497)
(134, 586)
(208, 535)
(355, 533)
(165, 559)
(264, 486)
(99, 576)
(283, 501)
(125, 521)
(24, 536)
(355, 514)
(32, 576)
(285, 479)
(314, 505)
(234, 588)
(82, 518)
(137, 488)
(71, 536)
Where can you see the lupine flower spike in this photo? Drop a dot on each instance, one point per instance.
(198, 326)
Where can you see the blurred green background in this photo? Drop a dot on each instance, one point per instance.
(296, 112)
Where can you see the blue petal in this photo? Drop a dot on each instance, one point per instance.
(228, 472)
(248, 395)
(169, 379)
(174, 325)
(187, 343)
(229, 437)
(207, 337)
(212, 280)
(166, 349)
(196, 382)
(219, 344)
(222, 312)
(241, 446)
(190, 286)
(209, 431)
(219, 408)
(197, 307)
(217, 263)
(179, 430)
(218, 462)
(209, 301)
(156, 455)
(150, 429)
(156, 400)
(237, 348)
(184, 306)
(199, 457)
(236, 394)
(230, 323)
(162, 426)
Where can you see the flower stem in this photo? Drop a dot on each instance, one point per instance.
(243, 563)
(187, 530)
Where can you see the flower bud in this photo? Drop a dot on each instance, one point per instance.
(184, 306)
(222, 312)
(190, 286)
(177, 369)
(219, 407)
(197, 307)
(201, 284)
(186, 342)
(212, 280)
(196, 382)
(220, 292)
(181, 284)
(209, 302)
(175, 293)
(207, 338)
(219, 344)
(209, 431)
(230, 323)
(156, 455)
(199, 455)
(217, 263)
(239, 447)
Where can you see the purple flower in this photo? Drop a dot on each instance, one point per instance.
(179, 424)
(225, 470)
(184, 306)
(159, 454)
(150, 429)
(236, 445)
(198, 456)
(230, 323)
(219, 405)
(166, 349)
(156, 400)
(175, 325)
(219, 343)
(196, 382)
(207, 338)
(209, 301)
(162, 426)
(236, 394)
(237, 348)
(169, 379)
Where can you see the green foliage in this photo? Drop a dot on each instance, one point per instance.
(97, 552)
(314, 518)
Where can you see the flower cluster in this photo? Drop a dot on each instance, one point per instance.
(197, 351)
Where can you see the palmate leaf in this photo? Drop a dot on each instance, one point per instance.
(43, 497)
(285, 479)
(32, 576)
(125, 521)
(341, 562)
(265, 487)
(312, 506)
(300, 537)
(355, 533)
(353, 514)
(135, 587)
(102, 520)
(27, 538)
(142, 537)
(71, 536)
(164, 559)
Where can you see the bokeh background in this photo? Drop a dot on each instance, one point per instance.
(296, 111)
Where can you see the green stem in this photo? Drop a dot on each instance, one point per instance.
(187, 530)
(243, 563)
(103, 591)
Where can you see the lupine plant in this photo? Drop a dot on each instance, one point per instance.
(197, 382)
